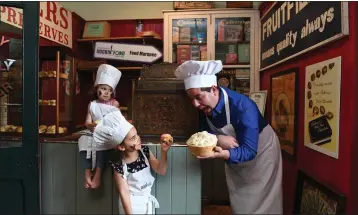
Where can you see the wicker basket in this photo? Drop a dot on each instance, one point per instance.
(201, 151)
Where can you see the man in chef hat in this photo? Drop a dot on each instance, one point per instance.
(132, 169)
(246, 141)
(94, 157)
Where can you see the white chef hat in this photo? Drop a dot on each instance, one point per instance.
(198, 74)
(112, 129)
(107, 74)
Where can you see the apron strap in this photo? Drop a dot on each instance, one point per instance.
(145, 158)
(124, 166)
(227, 107)
(154, 201)
(227, 111)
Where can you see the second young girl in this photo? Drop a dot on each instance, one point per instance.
(132, 169)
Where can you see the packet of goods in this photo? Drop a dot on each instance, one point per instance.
(202, 139)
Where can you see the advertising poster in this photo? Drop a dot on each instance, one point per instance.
(322, 106)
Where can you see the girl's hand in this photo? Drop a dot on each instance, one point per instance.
(91, 126)
(166, 141)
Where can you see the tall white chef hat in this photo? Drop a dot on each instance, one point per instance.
(112, 129)
(199, 74)
(107, 74)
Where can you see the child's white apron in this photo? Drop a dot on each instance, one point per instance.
(86, 142)
(140, 186)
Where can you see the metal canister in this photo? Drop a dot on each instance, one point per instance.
(139, 27)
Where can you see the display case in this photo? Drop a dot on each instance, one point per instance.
(55, 92)
(56, 77)
(229, 35)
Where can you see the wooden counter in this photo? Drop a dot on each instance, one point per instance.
(62, 180)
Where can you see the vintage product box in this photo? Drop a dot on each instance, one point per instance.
(203, 53)
(184, 34)
(183, 53)
(231, 58)
(242, 73)
(193, 5)
(244, 53)
(247, 30)
(175, 35)
(195, 52)
(234, 33)
(231, 55)
(221, 30)
(97, 30)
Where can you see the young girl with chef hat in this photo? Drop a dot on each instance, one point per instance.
(133, 169)
(94, 157)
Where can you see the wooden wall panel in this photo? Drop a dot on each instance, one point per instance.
(63, 192)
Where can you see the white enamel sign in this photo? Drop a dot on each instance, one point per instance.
(126, 52)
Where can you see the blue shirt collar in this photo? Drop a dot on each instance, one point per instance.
(220, 105)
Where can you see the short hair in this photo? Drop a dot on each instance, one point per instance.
(206, 89)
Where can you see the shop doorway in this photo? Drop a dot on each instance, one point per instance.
(19, 160)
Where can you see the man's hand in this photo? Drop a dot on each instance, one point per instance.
(218, 153)
(227, 142)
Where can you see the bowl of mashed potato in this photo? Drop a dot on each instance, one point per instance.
(202, 144)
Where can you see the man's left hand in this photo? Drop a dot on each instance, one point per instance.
(218, 153)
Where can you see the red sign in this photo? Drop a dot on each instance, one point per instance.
(55, 21)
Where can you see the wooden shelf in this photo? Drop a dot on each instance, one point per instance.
(120, 68)
(232, 42)
(190, 43)
(118, 39)
(244, 66)
(45, 74)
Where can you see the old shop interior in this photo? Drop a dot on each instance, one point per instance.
(296, 60)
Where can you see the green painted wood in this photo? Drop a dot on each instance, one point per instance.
(94, 201)
(178, 192)
(194, 185)
(179, 180)
(164, 187)
(58, 178)
(154, 150)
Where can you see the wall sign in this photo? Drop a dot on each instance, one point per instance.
(290, 29)
(55, 21)
(322, 106)
(259, 98)
(126, 52)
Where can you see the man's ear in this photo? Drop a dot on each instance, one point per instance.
(215, 90)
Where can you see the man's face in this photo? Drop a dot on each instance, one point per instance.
(203, 100)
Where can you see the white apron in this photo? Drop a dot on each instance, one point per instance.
(255, 187)
(86, 142)
(140, 186)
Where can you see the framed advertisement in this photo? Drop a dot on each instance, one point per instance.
(259, 98)
(322, 106)
(313, 197)
(284, 109)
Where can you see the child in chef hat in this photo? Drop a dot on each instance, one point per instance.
(94, 157)
(133, 169)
